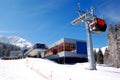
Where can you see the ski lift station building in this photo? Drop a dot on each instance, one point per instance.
(67, 50)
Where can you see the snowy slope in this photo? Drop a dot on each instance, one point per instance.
(39, 69)
(16, 70)
(15, 41)
(79, 71)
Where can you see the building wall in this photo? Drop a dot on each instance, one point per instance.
(81, 47)
(66, 45)
(16, 54)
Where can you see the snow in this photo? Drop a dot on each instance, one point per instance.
(16, 70)
(42, 69)
(15, 40)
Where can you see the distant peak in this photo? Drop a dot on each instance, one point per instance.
(15, 40)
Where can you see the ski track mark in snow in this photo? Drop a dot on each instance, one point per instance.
(17, 70)
(40, 69)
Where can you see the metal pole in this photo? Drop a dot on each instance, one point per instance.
(91, 59)
(87, 19)
(92, 11)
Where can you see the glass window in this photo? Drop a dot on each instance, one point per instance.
(67, 46)
(61, 47)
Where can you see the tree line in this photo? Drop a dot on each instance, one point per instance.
(6, 48)
(112, 53)
(100, 58)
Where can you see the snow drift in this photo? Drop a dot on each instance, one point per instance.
(41, 69)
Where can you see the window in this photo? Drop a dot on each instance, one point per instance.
(69, 46)
(61, 47)
(72, 46)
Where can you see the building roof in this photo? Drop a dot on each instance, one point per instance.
(69, 40)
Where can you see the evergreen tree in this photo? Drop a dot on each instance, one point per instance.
(95, 55)
(6, 48)
(100, 57)
(106, 56)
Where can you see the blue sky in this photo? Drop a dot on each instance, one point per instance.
(47, 21)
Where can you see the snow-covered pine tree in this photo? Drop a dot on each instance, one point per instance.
(95, 55)
(114, 45)
(106, 56)
(100, 57)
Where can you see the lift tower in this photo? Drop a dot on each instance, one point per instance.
(87, 17)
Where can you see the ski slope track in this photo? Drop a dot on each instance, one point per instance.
(40, 69)
(17, 70)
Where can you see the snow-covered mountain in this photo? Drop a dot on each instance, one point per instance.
(15, 40)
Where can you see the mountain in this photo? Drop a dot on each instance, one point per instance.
(15, 40)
